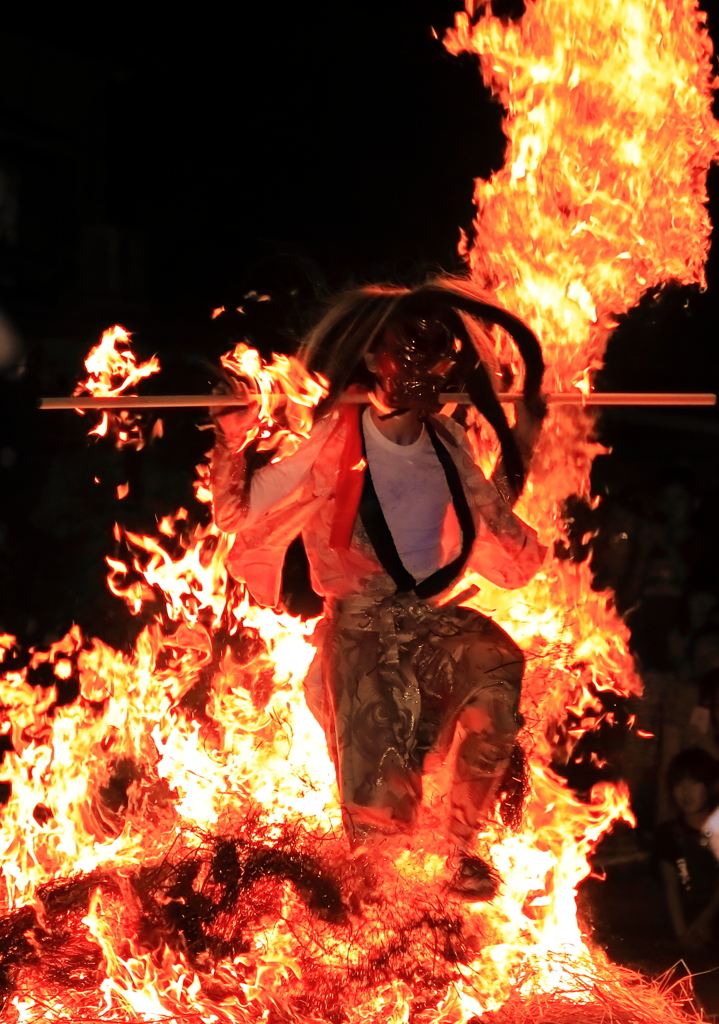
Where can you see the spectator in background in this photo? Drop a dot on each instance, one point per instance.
(702, 677)
(705, 717)
(704, 651)
(669, 551)
(689, 871)
(651, 551)
(701, 605)
(10, 345)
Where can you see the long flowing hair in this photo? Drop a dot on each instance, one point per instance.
(354, 325)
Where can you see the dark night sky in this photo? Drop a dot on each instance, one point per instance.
(161, 168)
(347, 135)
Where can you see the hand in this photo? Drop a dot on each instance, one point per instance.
(232, 422)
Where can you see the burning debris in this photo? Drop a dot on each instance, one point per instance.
(206, 907)
(113, 371)
(351, 950)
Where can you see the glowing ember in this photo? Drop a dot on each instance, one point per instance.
(173, 847)
(112, 371)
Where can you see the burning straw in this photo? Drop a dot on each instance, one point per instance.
(204, 906)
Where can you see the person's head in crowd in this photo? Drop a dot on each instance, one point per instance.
(704, 650)
(691, 776)
(701, 605)
(675, 500)
(701, 597)
(709, 697)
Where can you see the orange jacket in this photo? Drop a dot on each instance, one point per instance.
(316, 492)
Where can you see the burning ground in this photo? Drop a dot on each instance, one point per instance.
(173, 846)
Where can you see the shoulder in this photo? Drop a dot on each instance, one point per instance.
(451, 432)
(300, 456)
(320, 431)
(455, 439)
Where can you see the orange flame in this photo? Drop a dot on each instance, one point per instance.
(112, 366)
(112, 370)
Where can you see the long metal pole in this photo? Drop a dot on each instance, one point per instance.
(216, 401)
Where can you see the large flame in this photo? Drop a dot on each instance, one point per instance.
(191, 765)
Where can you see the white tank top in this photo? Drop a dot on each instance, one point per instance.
(412, 489)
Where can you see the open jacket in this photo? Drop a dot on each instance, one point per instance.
(317, 492)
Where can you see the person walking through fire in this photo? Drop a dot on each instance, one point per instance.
(393, 509)
(683, 847)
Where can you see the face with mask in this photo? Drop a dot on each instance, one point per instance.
(412, 362)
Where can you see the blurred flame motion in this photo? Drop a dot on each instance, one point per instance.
(112, 370)
(202, 729)
(285, 393)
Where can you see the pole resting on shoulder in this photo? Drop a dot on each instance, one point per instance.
(598, 398)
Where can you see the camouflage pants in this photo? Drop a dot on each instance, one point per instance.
(399, 676)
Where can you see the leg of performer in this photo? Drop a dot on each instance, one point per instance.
(370, 718)
(491, 668)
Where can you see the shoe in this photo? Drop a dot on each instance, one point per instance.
(474, 881)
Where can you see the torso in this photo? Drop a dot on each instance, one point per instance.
(412, 489)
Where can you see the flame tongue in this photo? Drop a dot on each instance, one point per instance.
(112, 366)
(112, 371)
(203, 728)
(603, 190)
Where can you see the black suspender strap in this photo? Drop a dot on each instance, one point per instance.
(374, 522)
(442, 578)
